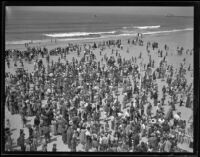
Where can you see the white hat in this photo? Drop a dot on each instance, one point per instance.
(87, 133)
(119, 114)
(176, 116)
(86, 104)
(153, 121)
(70, 122)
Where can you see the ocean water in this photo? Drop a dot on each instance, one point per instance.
(25, 26)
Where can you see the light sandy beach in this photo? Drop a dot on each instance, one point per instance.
(173, 40)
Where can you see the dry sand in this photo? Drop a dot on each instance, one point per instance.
(173, 40)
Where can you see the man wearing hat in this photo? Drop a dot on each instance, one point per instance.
(148, 110)
(177, 118)
(83, 136)
(105, 142)
(69, 135)
(153, 140)
(8, 140)
(119, 148)
(74, 141)
(23, 114)
(21, 140)
(44, 147)
(30, 133)
(8, 125)
(95, 142)
(188, 101)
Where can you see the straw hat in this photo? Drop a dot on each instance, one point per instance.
(153, 134)
(70, 123)
(86, 104)
(84, 125)
(153, 121)
(43, 105)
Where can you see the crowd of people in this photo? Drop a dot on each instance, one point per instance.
(80, 99)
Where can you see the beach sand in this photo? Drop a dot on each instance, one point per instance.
(181, 39)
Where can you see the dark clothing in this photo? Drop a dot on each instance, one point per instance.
(136, 139)
(21, 142)
(69, 136)
(74, 143)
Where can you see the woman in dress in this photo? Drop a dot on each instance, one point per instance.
(83, 136)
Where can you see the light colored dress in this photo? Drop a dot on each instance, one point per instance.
(83, 136)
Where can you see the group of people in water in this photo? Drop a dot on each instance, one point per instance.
(103, 103)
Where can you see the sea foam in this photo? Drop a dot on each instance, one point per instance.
(77, 34)
(92, 35)
(147, 27)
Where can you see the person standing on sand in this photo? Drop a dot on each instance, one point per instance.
(83, 136)
(28, 146)
(21, 140)
(64, 133)
(181, 101)
(8, 125)
(34, 144)
(74, 141)
(188, 101)
(15, 64)
(69, 136)
(54, 149)
(148, 110)
(23, 113)
(44, 147)
(8, 140)
(167, 145)
(95, 143)
(8, 63)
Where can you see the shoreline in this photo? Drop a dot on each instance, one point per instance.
(165, 37)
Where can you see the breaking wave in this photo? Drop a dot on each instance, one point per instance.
(147, 27)
(78, 34)
(94, 35)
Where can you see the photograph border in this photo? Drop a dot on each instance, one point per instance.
(196, 68)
